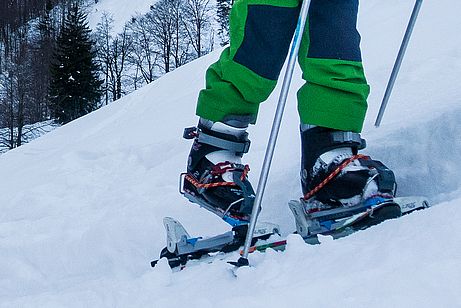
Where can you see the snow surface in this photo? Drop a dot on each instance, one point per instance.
(120, 10)
(81, 208)
(30, 132)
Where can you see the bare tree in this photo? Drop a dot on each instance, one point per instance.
(113, 54)
(197, 22)
(103, 39)
(16, 87)
(144, 55)
(7, 107)
(121, 47)
(161, 24)
(181, 43)
(167, 22)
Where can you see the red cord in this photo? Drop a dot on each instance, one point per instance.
(197, 184)
(330, 177)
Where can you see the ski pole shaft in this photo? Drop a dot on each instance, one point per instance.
(398, 62)
(275, 129)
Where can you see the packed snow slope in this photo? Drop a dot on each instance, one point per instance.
(81, 208)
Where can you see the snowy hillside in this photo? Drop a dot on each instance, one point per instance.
(121, 11)
(81, 208)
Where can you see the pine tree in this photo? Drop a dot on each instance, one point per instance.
(75, 86)
(223, 11)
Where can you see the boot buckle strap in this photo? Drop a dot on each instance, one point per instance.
(238, 147)
(233, 146)
(341, 137)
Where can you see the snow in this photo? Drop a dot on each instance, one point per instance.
(30, 132)
(121, 11)
(81, 208)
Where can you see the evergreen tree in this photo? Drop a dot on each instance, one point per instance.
(75, 86)
(223, 11)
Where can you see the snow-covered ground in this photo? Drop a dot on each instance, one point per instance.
(81, 208)
(121, 11)
(30, 132)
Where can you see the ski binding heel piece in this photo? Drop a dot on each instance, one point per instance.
(180, 242)
(176, 234)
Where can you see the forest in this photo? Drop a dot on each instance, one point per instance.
(54, 68)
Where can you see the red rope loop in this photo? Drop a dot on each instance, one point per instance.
(332, 175)
(197, 184)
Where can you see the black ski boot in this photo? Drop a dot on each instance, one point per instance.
(334, 174)
(216, 179)
(343, 191)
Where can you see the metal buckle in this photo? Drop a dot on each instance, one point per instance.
(182, 177)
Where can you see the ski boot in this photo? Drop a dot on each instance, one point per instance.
(216, 179)
(342, 189)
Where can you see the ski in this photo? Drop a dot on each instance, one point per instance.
(182, 248)
(340, 227)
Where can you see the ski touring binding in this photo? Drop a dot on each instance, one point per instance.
(342, 221)
(181, 247)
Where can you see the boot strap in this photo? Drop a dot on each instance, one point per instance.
(238, 147)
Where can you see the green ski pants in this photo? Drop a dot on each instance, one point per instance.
(335, 93)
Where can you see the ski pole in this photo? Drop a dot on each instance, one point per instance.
(243, 261)
(398, 61)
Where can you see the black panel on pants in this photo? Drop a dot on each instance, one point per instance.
(333, 30)
(268, 33)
